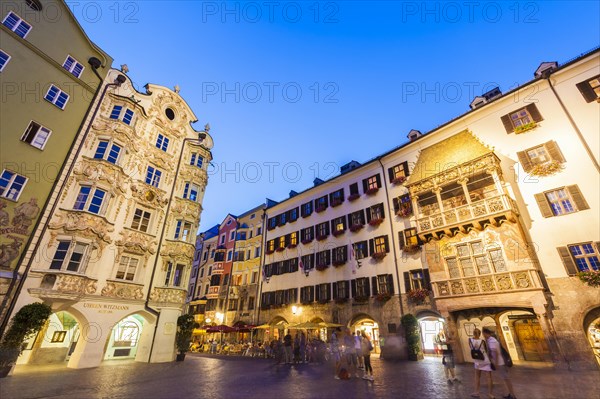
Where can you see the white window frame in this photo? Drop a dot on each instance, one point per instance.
(564, 208)
(6, 191)
(171, 272)
(54, 100)
(74, 64)
(109, 148)
(139, 222)
(90, 196)
(180, 228)
(585, 256)
(488, 254)
(8, 57)
(122, 114)
(155, 178)
(196, 159)
(188, 188)
(162, 141)
(36, 134)
(69, 253)
(17, 24)
(127, 267)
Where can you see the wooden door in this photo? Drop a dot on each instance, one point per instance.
(532, 341)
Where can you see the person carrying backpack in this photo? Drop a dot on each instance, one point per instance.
(367, 347)
(479, 354)
(497, 358)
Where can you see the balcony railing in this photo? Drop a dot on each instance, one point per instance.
(488, 207)
(67, 285)
(522, 280)
(217, 268)
(213, 292)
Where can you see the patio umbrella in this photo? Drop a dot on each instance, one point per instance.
(324, 324)
(262, 327)
(307, 325)
(221, 328)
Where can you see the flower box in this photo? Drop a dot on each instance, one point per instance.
(336, 202)
(379, 255)
(338, 263)
(338, 233)
(356, 227)
(320, 209)
(591, 278)
(307, 241)
(404, 211)
(383, 297)
(547, 169)
(280, 249)
(375, 222)
(361, 299)
(372, 191)
(524, 128)
(418, 296)
(321, 238)
(411, 249)
(353, 197)
(399, 180)
(291, 246)
(341, 301)
(321, 267)
(269, 251)
(323, 301)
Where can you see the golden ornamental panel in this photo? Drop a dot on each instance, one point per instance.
(471, 285)
(487, 284)
(85, 224)
(178, 251)
(149, 195)
(479, 210)
(495, 204)
(504, 282)
(101, 171)
(122, 291)
(457, 287)
(75, 284)
(437, 221)
(464, 213)
(189, 209)
(425, 225)
(136, 242)
(522, 280)
(450, 217)
(167, 295)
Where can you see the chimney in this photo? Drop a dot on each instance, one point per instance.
(293, 193)
(414, 134)
(349, 166)
(317, 181)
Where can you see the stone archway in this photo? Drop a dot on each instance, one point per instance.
(278, 326)
(363, 322)
(591, 327)
(430, 324)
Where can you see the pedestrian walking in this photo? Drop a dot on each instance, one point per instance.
(350, 353)
(480, 356)
(498, 361)
(358, 350)
(335, 352)
(287, 347)
(297, 348)
(303, 348)
(367, 347)
(445, 346)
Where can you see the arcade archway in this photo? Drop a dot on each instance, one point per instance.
(591, 325)
(365, 323)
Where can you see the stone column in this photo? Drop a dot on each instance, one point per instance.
(89, 350)
(557, 355)
(452, 330)
(463, 182)
(164, 340)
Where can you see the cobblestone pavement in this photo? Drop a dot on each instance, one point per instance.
(201, 376)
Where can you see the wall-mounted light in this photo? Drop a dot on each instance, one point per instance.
(207, 320)
(295, 309)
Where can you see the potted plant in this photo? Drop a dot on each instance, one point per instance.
(185, 327)
(338, 263)
(280, 249)
(379, 255)
(372, 191)
(28, 321)
(291, 246)
(384, 297)
(320, 208)
(411, 249)
(361, 299)
(412, 335)
(353, 197)
(321, 237)
(341, 301)
(337, 233)
(306, 241)
(356, 227)
(418, 295)
(404, 211)
(547, 169)
(525, 127)
(336, 201)
(399, 180)
(320, 267)
(375, 221)
(591, 278)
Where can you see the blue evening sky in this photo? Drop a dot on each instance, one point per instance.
(292, 90)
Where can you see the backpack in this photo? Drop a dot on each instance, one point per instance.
(476, 353)
(370, 346)
(344, 375)
(506, 356)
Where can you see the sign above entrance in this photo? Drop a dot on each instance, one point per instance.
(522, 317)
(105, 307)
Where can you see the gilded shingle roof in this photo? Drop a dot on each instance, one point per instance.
(447, 154)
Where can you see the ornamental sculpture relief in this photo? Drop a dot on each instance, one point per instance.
(149, 195)
(167, 295)
(186, 208)
(178, 251)
(122, 291)
(139, 243)
(522, 280)
(76, 284)
(84, 224)
(102, 171)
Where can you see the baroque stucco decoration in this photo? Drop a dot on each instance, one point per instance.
(93, 170)
(149, 195)
(123, 291)
(86, 225)
(167, 295)
(137, 243)
(177, 251)
(76, 284)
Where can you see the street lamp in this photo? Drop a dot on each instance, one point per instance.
(296, 309)
(219, 316)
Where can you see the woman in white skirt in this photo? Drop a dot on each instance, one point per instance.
(481, 365)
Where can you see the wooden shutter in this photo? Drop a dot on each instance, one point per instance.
(507, 123)
(367, 286)
(391, 174)
(365, 185)
(426, 279)
(390, 284)
(346, 288)
(349, 217)
(580, 202)
(374, 289)
(317, 293)
(378, 179)
(382, 210)
(586, 90)
(371, 247)
(368, 212)
(543, 205)
(554, 151)
(362, 216)
(311, 293)
(328, 285)
(327, 257)
(405, 167)
(407, 285)
(534, 112)
(335, 293)
(353, 287)
(396, 202)
(567, 260)
(525, 161)
(401, 241)
(387, 245)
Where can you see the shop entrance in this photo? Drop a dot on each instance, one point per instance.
(364, 323)
(592, 329)
(124, 338)
(55, 342)
(430, 326)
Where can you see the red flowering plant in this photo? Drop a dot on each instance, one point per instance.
(411, 249)
(321, 237)
(269, 251)
(353, 197)
(404, 211)
(290, 246)
(280, 249)
(399, 180)
(379, 255)
(591, 277)
(383, 297)
(372, 191)
(320, 267)
(338, 263)
(338, 233)
(418, 295)
(356, 227)
(375, 221)
(307, 241)
(336, 202)
(320, 208)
